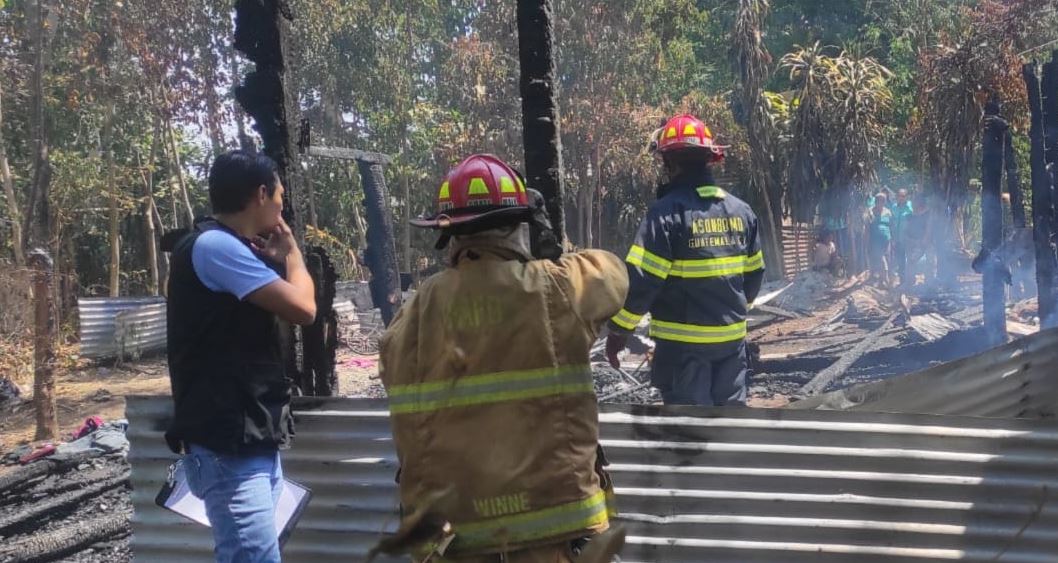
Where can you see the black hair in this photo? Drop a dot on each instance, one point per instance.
(235, 177)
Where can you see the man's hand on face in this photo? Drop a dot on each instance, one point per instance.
(279, 244)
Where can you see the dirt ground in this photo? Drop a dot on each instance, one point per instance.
(86, 389)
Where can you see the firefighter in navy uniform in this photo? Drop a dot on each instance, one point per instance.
(696, 266)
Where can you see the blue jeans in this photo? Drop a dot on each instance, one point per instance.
(240, 492)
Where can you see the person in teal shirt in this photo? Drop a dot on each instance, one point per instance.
(879, 238)
(902, 212)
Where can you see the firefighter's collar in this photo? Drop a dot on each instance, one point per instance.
(711, 192)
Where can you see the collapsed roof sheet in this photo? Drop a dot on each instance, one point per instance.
(694, 485)
(1017, 380)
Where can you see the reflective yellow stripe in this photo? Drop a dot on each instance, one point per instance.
(626, 319)
(697, 334)
(755, 262)
(490, 388)
(652, 263)
(507, 185)
(532, 526)
(478, 187)
(708, 267)
(711, 191)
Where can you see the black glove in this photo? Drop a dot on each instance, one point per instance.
(544, 245)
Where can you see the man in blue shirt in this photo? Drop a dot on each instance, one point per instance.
(231, 276)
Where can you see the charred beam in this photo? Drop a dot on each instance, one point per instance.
(321, 339)
(381, 252)
(349, 154)
(262, 31)
(992, 224)
(1042, 205)
(540, 126)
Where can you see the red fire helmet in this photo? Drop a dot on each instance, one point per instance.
(481, 188)
(685, 132)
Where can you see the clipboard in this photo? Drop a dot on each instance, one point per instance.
(176, 496)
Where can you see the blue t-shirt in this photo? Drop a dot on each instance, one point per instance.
(224, 264)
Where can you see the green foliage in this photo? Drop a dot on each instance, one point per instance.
(882, 98)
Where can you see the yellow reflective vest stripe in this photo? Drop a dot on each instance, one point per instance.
(490, 388)
(533, 525)
(648, 261)
(626, 319)
(709, 267)
(754, 263)
(697, 334)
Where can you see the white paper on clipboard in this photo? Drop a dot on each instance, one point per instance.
(176, 496)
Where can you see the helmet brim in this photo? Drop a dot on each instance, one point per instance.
(467, 220)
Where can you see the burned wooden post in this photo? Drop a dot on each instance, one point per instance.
(43, 345)
(381, 252)
(321, 339)
(1042, 204)
(540, 126)
(262, 30)
(992, 224)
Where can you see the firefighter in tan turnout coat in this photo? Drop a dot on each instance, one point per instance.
(488, 378)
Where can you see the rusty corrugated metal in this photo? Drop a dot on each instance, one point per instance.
(1018, 379)
(96, 317)
(696, 485)
(140, 331)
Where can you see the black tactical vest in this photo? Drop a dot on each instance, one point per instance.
(230, 389)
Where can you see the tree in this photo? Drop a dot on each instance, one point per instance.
(838, 111)
(752, 64)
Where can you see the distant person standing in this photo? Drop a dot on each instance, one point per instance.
(902, 213)
(231, 276)
(825, 256)
(879, 238)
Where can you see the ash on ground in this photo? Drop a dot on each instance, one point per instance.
(611, 386)
(76, 510)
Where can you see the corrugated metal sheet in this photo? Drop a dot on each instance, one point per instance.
(797, 240)
(356, 291)
(96, 316)
(1018, 379)
(697, 485)
(140, 330)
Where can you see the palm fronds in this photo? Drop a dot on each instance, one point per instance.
(836, 124)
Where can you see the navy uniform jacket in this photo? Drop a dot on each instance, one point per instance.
(696, 265)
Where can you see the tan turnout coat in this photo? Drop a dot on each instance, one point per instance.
(492, 400)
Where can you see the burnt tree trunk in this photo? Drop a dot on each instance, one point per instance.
(8, 181)
(262, 31)
(992, 227)
(1042, 206)
(43, 346)
(381, 253)
(540, 125)
(321, 339)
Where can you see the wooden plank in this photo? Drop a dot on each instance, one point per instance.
(838, 369)
(349, 154)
